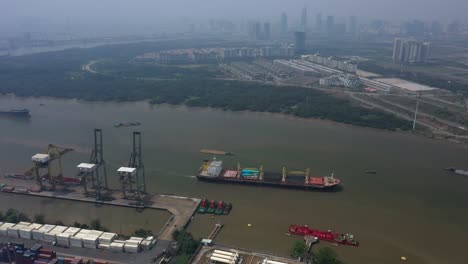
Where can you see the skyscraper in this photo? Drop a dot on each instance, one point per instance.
(304, 19)
(257, 30)
(266, 30)
(300, 42)
(352, 28)
(318, 22)
(330, 24)
(284, 23)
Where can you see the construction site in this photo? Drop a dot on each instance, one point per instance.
(45, 179)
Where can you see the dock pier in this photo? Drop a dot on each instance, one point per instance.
(181, 208)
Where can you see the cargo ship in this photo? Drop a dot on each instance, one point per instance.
(214, 171)
(17, 113)
(342, 239)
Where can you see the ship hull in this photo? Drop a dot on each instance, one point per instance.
(16, 113)
(290, 185)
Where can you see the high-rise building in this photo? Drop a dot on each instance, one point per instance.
(318, 22)
(410, 51)
(258, 30)
(304, 19)
(454, 27)
(284, 23)
(330, 24)
(352, 28)
(436, 28)
(414, 28)
(300, 42)
(266, 30)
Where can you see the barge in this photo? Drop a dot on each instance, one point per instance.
(214, 171)
(15, 113)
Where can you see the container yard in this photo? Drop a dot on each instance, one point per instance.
(214, 170)
(20, 254)
(65, 236)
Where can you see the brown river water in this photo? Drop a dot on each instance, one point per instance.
(411, 207)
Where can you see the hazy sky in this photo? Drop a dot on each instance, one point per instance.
(172, 9)
(142, 16)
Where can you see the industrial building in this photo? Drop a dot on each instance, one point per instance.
(333, 62)
(297, 67)
(410, 51)
(341, 80)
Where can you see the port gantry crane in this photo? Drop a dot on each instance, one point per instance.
(44, 166)
(90, 171)
(132, 178)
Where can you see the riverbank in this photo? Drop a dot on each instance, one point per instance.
(393, 213)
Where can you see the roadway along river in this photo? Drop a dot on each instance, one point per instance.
(410, 208)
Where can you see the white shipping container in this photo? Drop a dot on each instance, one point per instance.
(117, 247)
(103, 246)
(39, 233)
(50, 237)
(132, 242)
(26, 232)
(4, 228)
(14, 230)
(76, 242)
(107, 238)
(35, 226)
(131, 248)
(72, 231)
(25, 223)
(63, 239)
(58, 229)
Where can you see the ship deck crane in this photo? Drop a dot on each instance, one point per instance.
(305, 173)
(48, 166)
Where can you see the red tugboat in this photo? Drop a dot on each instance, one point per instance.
(203, 206)
(211, 207)
(343, 239)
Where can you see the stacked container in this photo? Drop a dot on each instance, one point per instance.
(14, 230)
(148, 243)
(64, 238)
(89, 237)
(133, 245)
(26, 232)
(39, 233)
(4, 228)
(117, 246)
(51, 236)
(107, 238)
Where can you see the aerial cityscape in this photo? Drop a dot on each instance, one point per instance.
(232, 132)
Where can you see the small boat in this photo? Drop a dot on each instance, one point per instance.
(203, 206)
(220, 208)
(127, 124)
(216, 152)
(457, 171)
(371, 172)
(212, 207)
(227, 209)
